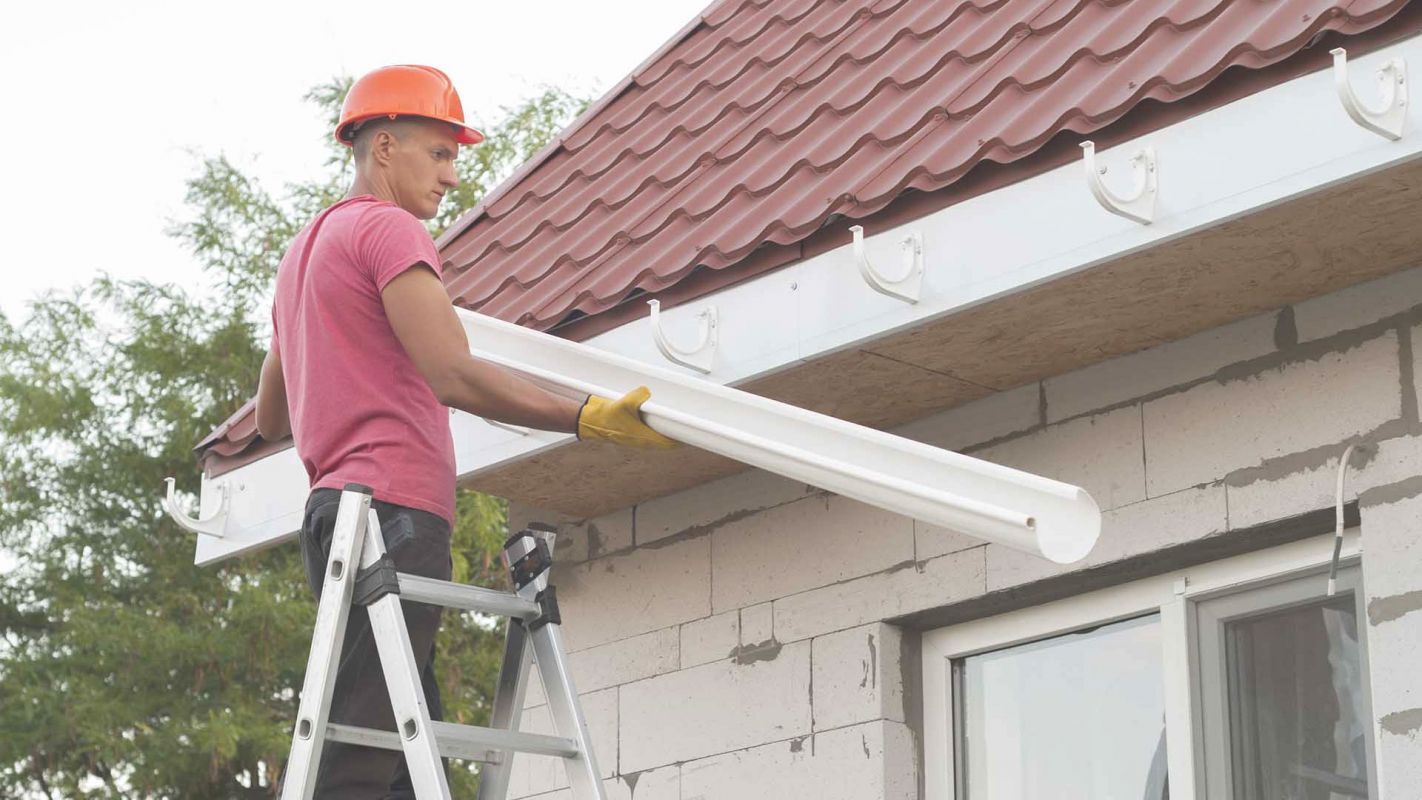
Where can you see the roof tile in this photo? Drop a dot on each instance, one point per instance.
(769, 117)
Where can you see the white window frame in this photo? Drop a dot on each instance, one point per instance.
(1172, 595)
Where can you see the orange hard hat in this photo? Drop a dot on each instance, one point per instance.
(404, 90)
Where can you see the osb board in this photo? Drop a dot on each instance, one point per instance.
(1312, 246)
(1315, 245)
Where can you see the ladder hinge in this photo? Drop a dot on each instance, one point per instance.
(376, 581)
(547, 601)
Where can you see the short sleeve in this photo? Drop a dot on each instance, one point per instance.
(390, 241)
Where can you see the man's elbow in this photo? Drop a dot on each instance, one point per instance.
(446, 388)
(270, 425)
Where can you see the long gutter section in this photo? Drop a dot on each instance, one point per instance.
(992, 502)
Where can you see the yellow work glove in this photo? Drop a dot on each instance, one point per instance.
(620, 421)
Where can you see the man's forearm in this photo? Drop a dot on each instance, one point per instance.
(490, 391)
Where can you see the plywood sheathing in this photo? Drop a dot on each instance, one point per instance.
(1311, 246)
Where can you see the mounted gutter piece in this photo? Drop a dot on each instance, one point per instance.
(1391, 119)
(699, 357)
(1037, 515)
(215, 525)
(906, 288)
(1140, 206)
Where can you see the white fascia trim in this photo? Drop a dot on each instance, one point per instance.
(1169, 595)
(1284, 142)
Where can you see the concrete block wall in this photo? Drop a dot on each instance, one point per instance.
(730, 641)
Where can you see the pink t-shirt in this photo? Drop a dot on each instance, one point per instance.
(360, 411)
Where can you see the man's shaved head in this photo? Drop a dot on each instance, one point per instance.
(407, 160)
(400, 128)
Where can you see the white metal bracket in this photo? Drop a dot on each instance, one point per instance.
(699, 357)
(908, 286)
(1388, 121)
(1140, 206)
(214, 525)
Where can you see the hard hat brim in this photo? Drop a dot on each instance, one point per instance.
(464, 134)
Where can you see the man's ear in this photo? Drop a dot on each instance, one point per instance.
(382, 143)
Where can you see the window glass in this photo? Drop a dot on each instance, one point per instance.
(1297, 714)
(1076, 716)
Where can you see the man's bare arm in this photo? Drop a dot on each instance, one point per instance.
(425, 323)
(273, 418)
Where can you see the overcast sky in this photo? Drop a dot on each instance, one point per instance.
(107, 106)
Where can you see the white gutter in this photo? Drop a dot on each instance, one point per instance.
(1276, 145)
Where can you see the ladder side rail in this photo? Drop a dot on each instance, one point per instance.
(332, 613)
(402, 679)
(507, 712)
(567, 712)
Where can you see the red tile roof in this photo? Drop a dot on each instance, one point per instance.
(769, 116)
(764, 119)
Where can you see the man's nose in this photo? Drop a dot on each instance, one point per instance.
(450, 178)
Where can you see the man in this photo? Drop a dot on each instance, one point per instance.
(366, 354)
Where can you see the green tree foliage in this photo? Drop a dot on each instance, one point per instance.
(126, 672)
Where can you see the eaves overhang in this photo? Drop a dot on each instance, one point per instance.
(1262, 202)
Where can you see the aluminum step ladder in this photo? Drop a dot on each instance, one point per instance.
(534, 626)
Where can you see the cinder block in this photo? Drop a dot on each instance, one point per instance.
(979, 421)
(533, 775)
(931, 541)
(654, 784)
(903, 590)
(1392, 553)
(626, 660)
(620, 596)
(811, 542)
(710, 639)
(1265, 499)
(714, 708)
(712, 504)
(1358, 305)
(872, 761)
(757, 625)
(1204, 433)
(1126, 531)
(1160, 367)
(614, 788)
(1100, 453)
(1399, 767)
(1416, 336)
(596, 537)
(857, 676)
(1395, 461)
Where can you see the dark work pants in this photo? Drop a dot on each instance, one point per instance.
(418, 541)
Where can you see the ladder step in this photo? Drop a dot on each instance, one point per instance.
(470, 742)
(419, 589)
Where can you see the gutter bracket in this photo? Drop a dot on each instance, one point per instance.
(214, 525)
(907, 287)
(1389, 121)
(699, 357)
(1140, 206)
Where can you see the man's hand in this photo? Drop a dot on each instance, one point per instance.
(620, 421)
